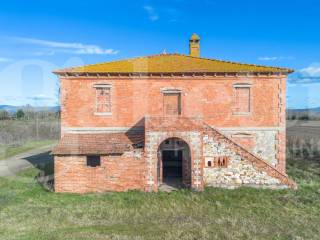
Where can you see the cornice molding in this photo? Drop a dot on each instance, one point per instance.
(170, 75)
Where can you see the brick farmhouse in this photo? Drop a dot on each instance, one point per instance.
(171, 119)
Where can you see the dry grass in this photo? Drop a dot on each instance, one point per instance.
(17, 132)
(17, 136)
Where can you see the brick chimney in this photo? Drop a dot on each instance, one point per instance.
(194, 45)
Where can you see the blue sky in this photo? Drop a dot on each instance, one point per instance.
(39, 36)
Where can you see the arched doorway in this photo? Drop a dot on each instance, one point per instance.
(174, 163)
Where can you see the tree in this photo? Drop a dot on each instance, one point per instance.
(20, 114)
(4, 115)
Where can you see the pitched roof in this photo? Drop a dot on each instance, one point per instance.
(172, 63)
(101, 143)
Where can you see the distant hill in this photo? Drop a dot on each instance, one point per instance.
(13, 109)
(316, 110)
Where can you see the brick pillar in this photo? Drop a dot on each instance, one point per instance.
(197, 183)
(281, 136)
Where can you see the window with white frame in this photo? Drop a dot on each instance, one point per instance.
(103, 99)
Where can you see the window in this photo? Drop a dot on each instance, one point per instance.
(242, 99)
(103, 99)
(172, 103)
(93, 161)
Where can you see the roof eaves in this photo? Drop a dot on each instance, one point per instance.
(197, 73)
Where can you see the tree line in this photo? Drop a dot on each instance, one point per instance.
(303, 115)
(28, 114)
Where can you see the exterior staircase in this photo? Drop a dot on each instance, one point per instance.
(257, 162)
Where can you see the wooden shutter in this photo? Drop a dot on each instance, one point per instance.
(172, 104)
(242, 99)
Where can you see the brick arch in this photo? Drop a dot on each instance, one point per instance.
(174, 136)
(153, 140)
(186, 161)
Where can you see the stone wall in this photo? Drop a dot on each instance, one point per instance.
(239, 172)
(265, 142)
(116, 173)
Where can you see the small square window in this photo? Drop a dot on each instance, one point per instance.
(93, 161)
(209, 164)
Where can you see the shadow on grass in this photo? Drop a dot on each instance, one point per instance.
(43, 162)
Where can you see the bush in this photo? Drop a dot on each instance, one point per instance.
(20, 114)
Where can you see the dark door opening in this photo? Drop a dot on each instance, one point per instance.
(172, 165)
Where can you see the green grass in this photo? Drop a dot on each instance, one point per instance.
(9, 151)
(27, 211)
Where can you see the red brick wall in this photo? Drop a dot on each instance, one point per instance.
(116, 173)
(246, 141)
(132, 99)
(209, 97)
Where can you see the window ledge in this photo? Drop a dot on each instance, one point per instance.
(103, 113)
(242, 113)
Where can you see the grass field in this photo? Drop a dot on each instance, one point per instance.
(9, 151)
(27, 211)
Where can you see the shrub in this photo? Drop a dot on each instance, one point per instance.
(20, 114)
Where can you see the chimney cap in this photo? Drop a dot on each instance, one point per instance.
(195, 37)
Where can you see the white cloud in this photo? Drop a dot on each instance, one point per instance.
(267, 58)
(312, 71)
(45, 53)
(76, 48)
(41, 97)
(153, 16)
(307, 75)
(37, 100)
(3, 60)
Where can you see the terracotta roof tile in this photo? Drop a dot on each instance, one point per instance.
(171, 63)
(102, 143)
